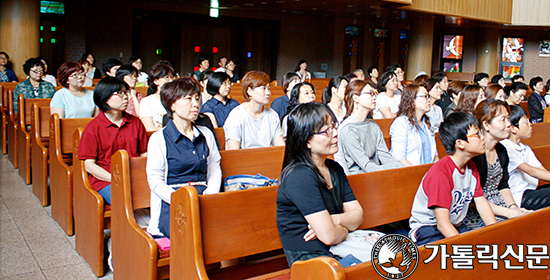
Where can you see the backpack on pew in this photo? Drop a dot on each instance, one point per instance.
(245, 182)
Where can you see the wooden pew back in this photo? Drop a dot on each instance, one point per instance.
(220, 136)
(266, 161)
(467, 77)
(40, 138)
(25, 108)
(540, 136)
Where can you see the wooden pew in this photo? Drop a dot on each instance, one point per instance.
(320, 84)
(4, 87)
(61, 169)
(525, 107)
(467, 77)
(12, 126)
(540, 136)
(24, 135)
(220, 136)
(40, 140)
(131, 191)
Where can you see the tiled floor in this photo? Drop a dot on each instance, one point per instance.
(32, 245)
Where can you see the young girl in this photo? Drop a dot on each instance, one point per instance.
(436, 113)
(301, 93)
(412, 143)
(524, 167)
(220, 105)
(333, 96)
(151, 109)
(492, 166)
(316, 207)
(387, 103)
(362, 147)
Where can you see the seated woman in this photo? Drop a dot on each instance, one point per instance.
(181, 154)
(47, 77)
(373, 75)
(204, 64)
(230, 71)
(361, 145)
(301, 71)
(495, 91)
(524, 167)
(219, 107)
(498, 79)
(446, 98)
(6, 74)
(88, 82)
(387, 103)
(303, 92)
(492, 166)
(399, 74)
(412, 143)
(536, 101)
(481, 79)
(34, 86)
(205, 96)
(436, 113)
(101, 138)
(253, 124)
(142, 76)
(333, 96)
(316, 207)
(151, 109)
(93, 73)
(515, 93)
(280, 104)
(73, 101)
(472, 95)
(454, 89)
(129, 74)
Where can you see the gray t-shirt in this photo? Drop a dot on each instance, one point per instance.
(240, 126)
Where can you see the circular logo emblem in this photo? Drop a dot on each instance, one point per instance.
(394, 256)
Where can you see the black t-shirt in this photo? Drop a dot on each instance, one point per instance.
(300, 194)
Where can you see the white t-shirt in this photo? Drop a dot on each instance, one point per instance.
(382, 101)
(338, 118)
(151, 107)
(436, 118)
(74, 106)
(240, 126)
(518, 180)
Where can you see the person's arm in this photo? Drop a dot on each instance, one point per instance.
(484, 210)
(537, 172)
(387, 113)
(214, 170)
(96, 170)
(212, 119)
(232, 145)
(59, 111)
(279, 141)
(534, 106)
(352, 217)
(324, 229)
(444, 223)
(503, 211)
(148, 123)
(156, 167)
(510, 202)
(135, 99)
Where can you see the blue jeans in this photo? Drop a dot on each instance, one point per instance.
(106, 193)
(430, 234)
(292, 256)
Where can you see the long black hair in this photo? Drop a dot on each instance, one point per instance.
(334, 83)
(295, 96)
(303, 122)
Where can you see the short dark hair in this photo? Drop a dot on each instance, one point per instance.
(350, 76)
(295, 96)
(517, 77)
(176, 89)
(30, 63)
(105, 89)
(534, 81)
(4, 53)
(369, 71)
(133, 59)
(67, 69)
(110, 63)
(215, 82)
(496, 78)
(394, 67)
(384, 79)
(480, 76)
(206, 75)
(201, 59)
(439, 76)
(86, 54)
(516, 113)
(253, 79)
(158, 71)
(222, 57)
(455, 127)
(431, 82)
(514, 87)
(124, 70)
(299, 63)
(333, 83)
(287, 78)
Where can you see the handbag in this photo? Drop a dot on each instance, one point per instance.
(245, 182)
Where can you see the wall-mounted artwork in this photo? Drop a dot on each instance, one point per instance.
(510, 71)
(452, 67)
(512, 49)
(544, 48)
(452, 46)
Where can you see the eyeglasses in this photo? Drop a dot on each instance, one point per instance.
(428, 97)
(329, 131)
(121, 93)
(77, 74)
(477, 134)
(38, 72)
(371, 92)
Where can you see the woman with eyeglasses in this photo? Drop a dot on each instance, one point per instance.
(230, 71)
(316, 207)
(151, 109)
(6, 74)
(412, 142)
(494, 123)
(73, 101)
(436, 113)
(361, 145)
(34, 86)
(220, 105)
(388, 100)
(129, 74)
(112, 130)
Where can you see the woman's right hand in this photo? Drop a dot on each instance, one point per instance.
(310, 235)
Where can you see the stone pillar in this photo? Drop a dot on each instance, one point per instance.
(421, 40)
(488, 51)
(20, 29)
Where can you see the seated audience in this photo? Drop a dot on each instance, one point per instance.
(316, 207)
(303, 92)
(472, 95)
(536, 102)
(301, 71)
(151, 109)
(333, 96)
(399, 74)
(498, 79)
(93, 72)
(492, 165)
(47, 77)
(359, 74)
(230, 71)
(222, 61)
(436, 214)
(138, 64)
(361, 145)
(34, 86)
(412, 142)
(110, 66)
(6, 74)
(387, 102)
(446, 98)
(253, 124)
(205, 96)
(181, 154)
(436, 113)
(129, 74)
(515, 93)
(102, 136)
(73, 101)
(454, 89)
(481, 79)
(518, 78)
(495, 91)
(204, 64)
(524, 167)
(373, 75)
(280, 104)
(219, 107)
(88, 82)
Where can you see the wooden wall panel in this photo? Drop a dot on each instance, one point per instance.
(531, 12)
(499, 11)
